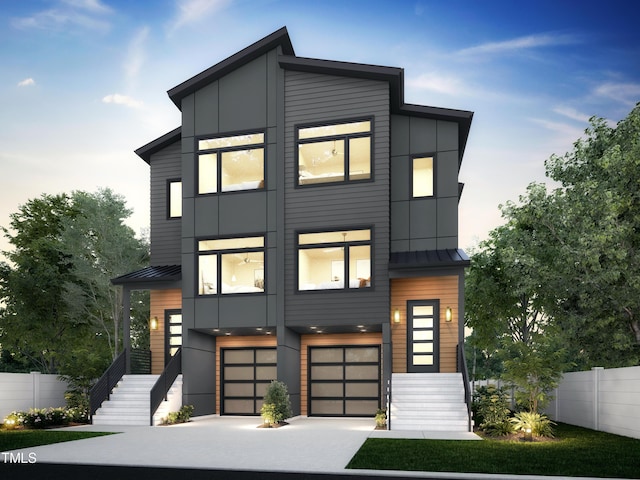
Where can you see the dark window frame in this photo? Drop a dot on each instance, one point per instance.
(219, 151)
(435, 175)
(345, 137)
(344, 381)
(435, 303)
(171, 181)
(218, 254)
(356, 243)
(167, 334)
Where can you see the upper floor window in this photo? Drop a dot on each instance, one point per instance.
(174, 198)
(228, 164)
(334, 153)
(422, 171)
(334, 260)
(231, 265)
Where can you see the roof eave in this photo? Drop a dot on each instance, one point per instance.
(158, 144)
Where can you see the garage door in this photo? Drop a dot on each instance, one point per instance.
(246, 374)
(344, 380)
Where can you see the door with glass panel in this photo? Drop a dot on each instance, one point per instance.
(422, 336)
(172, 333)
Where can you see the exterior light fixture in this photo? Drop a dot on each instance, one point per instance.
(153, 323)
(448, 314)
(528, 436)
(396, 315)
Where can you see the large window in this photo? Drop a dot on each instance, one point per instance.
(422, 171)
(174, 198)
(229, 164)
(334, 260)
(231, 265)
(334, 153)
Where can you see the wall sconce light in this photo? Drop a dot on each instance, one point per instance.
(448, 314)
(153, 323)
(396, 315)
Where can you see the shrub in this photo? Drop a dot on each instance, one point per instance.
(181, 416)
(539, 424)
(491, 407)
(276, 406)
(77, 406)
(381, 418)
(13, 420)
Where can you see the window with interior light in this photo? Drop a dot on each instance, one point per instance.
(231, 265)
(422, 176)
(334, 153)
(174, 198)
(231, 163)
(334, 260)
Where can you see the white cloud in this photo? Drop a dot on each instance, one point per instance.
(27, 82)
(125, 100)
(438, 83)
(572, 113)
(136, 54)
(625, 93)
(520, 43)
(190, 11)
(86, 14)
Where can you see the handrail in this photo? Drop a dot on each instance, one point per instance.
(390, 389)
(163, 384)
(462, 368)
(101, 391)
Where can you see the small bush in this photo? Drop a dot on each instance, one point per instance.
(276, 406)
(181, 416)
(381, 418)
(539, 424)
(77, 406)
(12, 421)
(491, 409)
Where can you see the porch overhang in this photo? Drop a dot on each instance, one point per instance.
(155, 277)
(403, 264)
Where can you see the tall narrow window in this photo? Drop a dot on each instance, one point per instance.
(174, 198)
(334, 153)
(334, 260)
(231, 265)
(230, 164)
(423, 175)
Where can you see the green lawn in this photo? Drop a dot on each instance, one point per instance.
(15, 439)
(577, 452)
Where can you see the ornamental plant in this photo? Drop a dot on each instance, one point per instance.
(539, 425)
(276, 405)
(491, 407)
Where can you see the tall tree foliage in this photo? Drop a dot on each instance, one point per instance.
(60, 310)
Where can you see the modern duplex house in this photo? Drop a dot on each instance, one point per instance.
(304, 227)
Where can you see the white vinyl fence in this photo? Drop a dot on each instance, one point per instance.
(605, 400)
(22, 391)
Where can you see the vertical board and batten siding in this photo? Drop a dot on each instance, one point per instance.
(318, 340)
(237, 342)
(313, 98)
(165, 233)
(161, 300)
(445, 290)
(600, 399)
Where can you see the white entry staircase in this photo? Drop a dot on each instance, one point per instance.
(429, 402)
(129, 402)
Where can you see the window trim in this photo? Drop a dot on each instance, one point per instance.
(435, 175)
(219, 151)
(346, 137)
(168, 198)
(346, 287)
(218, 254)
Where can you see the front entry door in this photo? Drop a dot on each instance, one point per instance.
(422, 336)
(172, 333)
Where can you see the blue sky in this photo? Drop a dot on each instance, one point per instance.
(83, 82)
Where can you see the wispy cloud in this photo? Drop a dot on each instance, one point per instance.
(125, 100)
(521, 43)
(86, 14)
(562, 130)
(27, 82)
(190, 11)
(625, 93)
(136, 55)
(438, 82)
(571, 113)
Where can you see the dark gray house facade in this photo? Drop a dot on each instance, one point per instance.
(304, 227)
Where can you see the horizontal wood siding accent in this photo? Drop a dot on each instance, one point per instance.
(165, 234)
(237, 341)
(327, 340)
(317, 98)
(161, 300)
(444, 289)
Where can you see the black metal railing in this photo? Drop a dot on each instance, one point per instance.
(140, 361)
(102, 389)
(161, 388)
(462, 368)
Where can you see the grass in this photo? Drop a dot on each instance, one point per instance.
(15, 439)
(576, 452)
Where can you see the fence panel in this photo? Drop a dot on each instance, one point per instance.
(22, 391)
